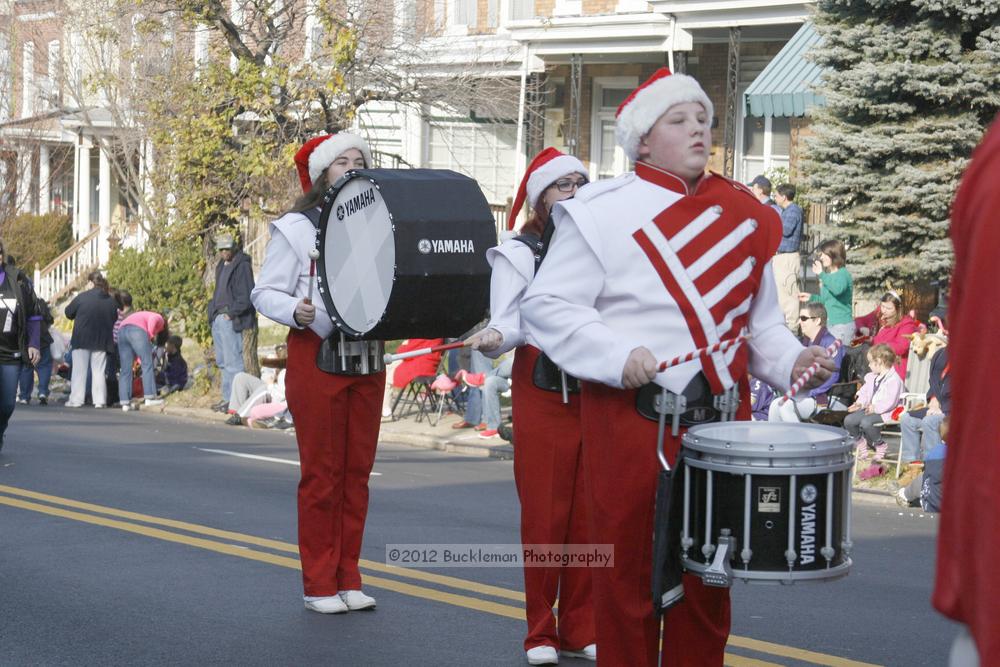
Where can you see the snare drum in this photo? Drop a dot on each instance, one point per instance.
(403, 253)
(766, 502)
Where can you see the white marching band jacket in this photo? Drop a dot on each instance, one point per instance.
(635, 261)
(513, 265)
(284, 278)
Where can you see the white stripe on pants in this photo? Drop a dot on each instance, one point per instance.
(97, 361)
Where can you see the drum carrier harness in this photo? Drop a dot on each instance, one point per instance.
(347, 357)
(546, 375)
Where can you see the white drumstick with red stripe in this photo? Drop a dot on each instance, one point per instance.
(831, 351)
(721, 346)
(389, 358)
(313, 256)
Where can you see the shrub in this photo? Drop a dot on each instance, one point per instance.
(32, 239)
(167, 279)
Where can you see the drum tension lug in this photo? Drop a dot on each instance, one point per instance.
(669, 403)
(720, 572)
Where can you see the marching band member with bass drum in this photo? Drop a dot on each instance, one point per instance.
(337, 416)
(645, 267)
(548, 466)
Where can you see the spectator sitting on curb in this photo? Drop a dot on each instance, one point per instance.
(919, 428)
(877, 399)
(812, 324)
(887, 324)
(924, 489)
(495, 383)
(174, 376)
(249, 391)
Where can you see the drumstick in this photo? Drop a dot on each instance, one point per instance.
(721, 346)
(809, 372)
(313, 256)
(389, 358)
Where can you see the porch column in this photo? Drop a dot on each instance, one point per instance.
(24, 203)
(44, 174)
(104, 206)
(82, 212)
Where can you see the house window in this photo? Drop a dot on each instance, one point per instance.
(55, 71)
(766, 145)
(522, 9)
(464, 12)
(607, 158)
(28, 79)
(200, 46)
(5, 82)
(486, 152)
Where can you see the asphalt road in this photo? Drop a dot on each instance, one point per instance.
(123, 541)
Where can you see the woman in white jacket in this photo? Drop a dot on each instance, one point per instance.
(336, 416)
(548, 468)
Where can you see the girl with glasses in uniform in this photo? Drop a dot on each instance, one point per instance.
(548, 466)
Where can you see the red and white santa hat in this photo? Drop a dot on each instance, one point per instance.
(319, 153)
(640, 110)
(545, 169)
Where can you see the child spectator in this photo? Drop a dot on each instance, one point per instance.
(875, 403)
(174, 375)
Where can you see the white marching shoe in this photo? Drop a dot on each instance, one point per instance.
(588, 652)
(542, 655)
(356, 600)
(330, 604)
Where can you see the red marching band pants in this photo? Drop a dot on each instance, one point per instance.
(548, 471)
(621, 467)
(337, 421)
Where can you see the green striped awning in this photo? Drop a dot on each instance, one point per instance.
(785, 87)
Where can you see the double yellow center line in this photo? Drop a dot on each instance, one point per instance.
(232, 544)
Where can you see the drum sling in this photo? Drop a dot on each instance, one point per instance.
(546, 375)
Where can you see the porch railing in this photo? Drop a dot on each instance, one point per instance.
(60, 275)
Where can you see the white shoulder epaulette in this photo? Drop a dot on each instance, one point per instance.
(597, 188)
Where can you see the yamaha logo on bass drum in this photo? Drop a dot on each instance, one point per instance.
(356, 203)
(446, 246)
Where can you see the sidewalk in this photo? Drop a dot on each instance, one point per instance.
(405, 431)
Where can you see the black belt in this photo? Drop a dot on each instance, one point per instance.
(549, 377)
(696, 404)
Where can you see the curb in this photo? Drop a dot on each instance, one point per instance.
(502, 452)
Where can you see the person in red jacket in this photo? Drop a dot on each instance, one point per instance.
(888, 324)
(967, 588)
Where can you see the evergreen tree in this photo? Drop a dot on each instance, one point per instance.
(911, 87)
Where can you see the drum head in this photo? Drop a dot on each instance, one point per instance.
(358, 255)
(766, 439)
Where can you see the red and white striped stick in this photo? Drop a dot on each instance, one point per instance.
(721, 346)
(389, 358)
(831, 351)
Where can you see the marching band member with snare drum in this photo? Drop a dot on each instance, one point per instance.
(336, 416)
(548, 466)
(648, 266)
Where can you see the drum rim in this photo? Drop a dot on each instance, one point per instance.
(768, 576)
(325, 291)
(694, 440)
(761, 471)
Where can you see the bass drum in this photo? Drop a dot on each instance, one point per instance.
(403, 253)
